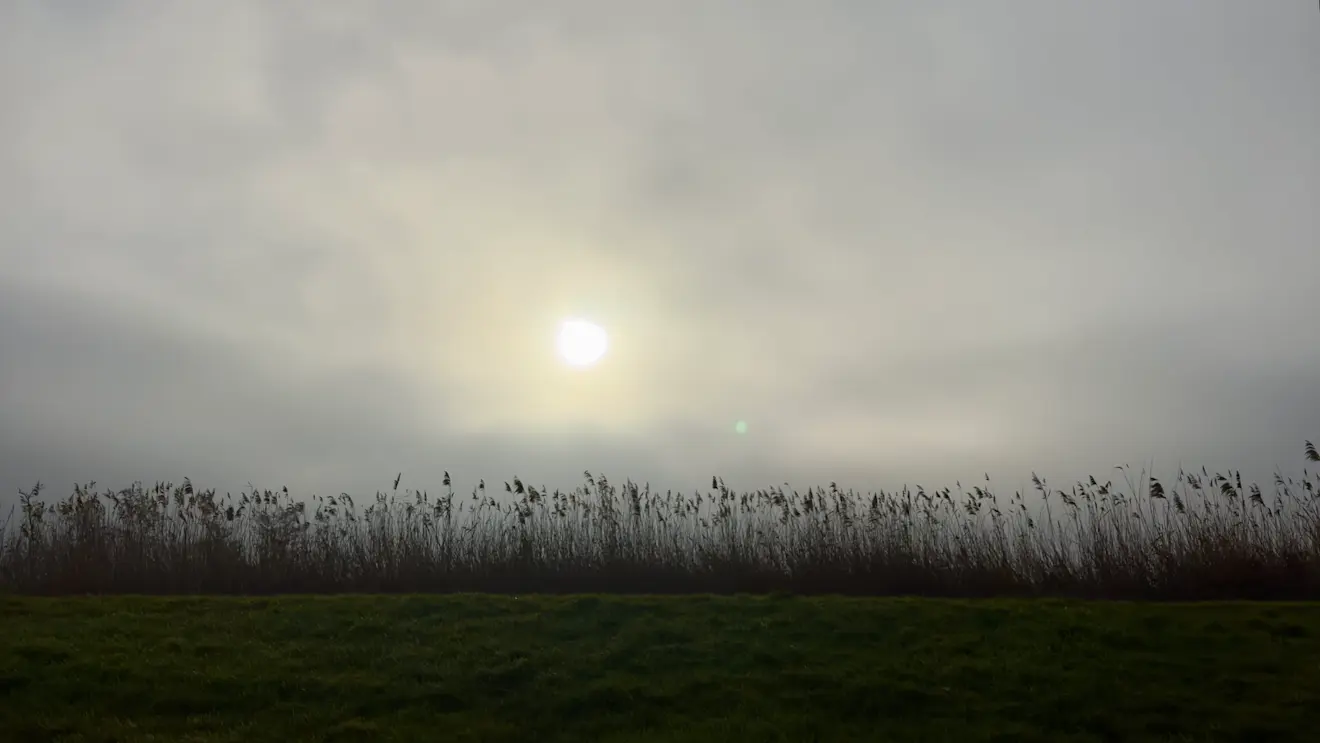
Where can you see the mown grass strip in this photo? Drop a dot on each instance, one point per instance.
(718, 668)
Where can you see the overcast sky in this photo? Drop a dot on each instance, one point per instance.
(317, 244)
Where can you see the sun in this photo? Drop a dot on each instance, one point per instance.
(581, 343)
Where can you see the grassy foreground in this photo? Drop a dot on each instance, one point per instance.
(598, 668)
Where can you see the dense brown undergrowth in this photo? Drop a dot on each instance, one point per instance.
(1203, 536)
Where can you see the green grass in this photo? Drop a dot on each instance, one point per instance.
(598, 668)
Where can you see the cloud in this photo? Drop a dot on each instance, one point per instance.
(315, 248)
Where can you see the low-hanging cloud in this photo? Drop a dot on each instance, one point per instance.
(900, 243)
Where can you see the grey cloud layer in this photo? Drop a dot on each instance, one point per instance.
(316, 248)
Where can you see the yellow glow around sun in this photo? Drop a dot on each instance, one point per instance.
(581, 343)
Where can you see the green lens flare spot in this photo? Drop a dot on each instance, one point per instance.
(740, 427)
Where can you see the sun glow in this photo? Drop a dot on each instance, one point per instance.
(581, 343)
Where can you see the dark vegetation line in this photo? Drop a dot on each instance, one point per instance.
(1201, 537)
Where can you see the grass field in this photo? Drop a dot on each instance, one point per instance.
(598, 668)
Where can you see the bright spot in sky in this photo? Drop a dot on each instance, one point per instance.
(581, 343)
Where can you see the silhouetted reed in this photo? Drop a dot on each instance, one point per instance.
(1201, 537)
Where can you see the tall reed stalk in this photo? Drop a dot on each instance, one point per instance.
(1202, 536)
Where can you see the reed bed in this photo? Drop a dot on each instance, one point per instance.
(1201, 536)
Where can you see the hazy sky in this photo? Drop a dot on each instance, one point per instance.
(315, 244)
